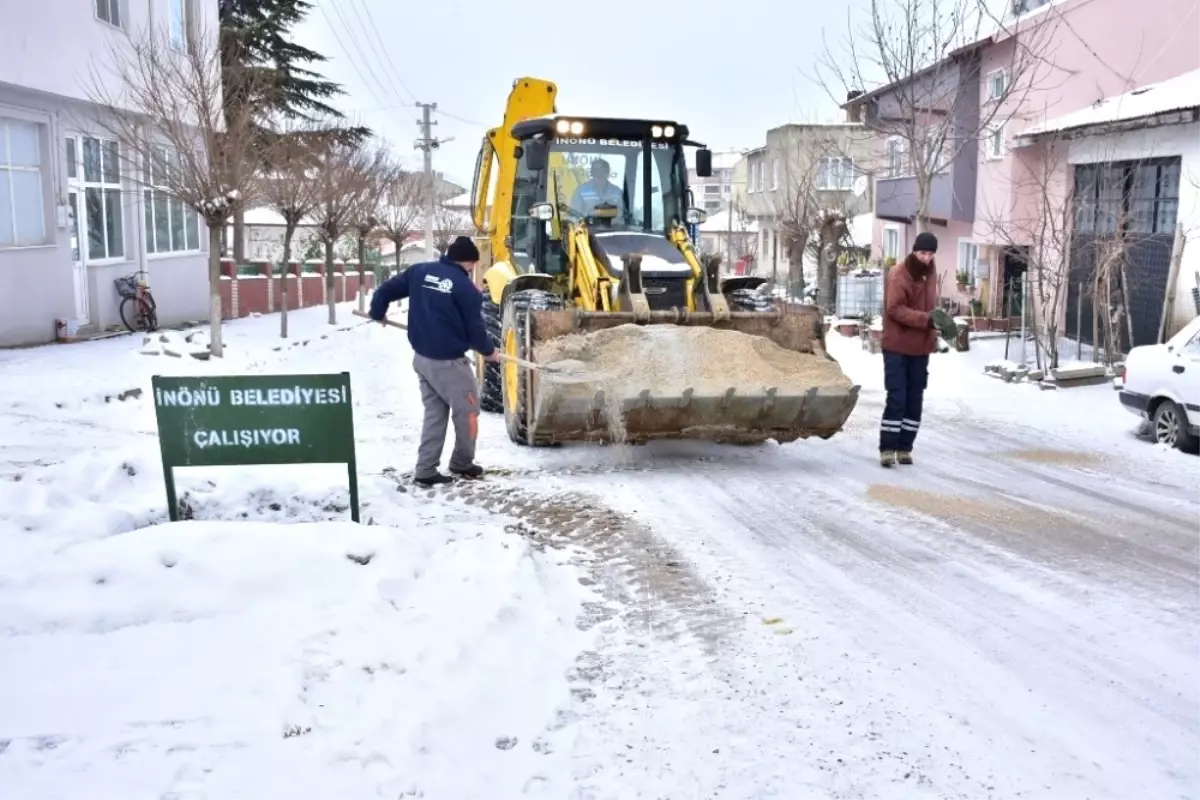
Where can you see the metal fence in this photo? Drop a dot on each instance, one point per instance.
(859, 295)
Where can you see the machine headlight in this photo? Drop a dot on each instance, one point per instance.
(563, 126)
(669, 131)
(576, 128)
(656, 131)
(543, 212)
(695, 216)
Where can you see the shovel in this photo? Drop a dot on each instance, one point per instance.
(518, 361)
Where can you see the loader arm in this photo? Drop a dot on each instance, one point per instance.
(590, 282)
(705, 275)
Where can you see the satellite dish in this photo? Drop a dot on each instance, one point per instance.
(860, 184)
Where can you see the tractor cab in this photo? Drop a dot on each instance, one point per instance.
(626, 179)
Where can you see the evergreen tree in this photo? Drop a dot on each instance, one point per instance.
(257, 50)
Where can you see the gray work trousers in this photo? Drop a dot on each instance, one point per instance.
(447, 393)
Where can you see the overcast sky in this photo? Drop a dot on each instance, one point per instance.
(729, 70)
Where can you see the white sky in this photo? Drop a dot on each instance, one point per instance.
(727, 70)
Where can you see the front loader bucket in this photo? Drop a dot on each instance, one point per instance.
(675, 392)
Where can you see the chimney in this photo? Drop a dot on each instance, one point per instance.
(853, 112)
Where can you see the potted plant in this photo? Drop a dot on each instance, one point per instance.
(964, 280)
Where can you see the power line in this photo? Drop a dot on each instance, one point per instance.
(383, 51)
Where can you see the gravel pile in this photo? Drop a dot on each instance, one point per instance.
(668, 359)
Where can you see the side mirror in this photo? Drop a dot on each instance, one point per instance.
(695, 216)
(542, 211)
(537, 154)
(704, 162)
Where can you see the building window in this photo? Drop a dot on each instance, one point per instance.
(774, 174)
(895, 157)
(109, 11)
(1025, 6)
(995, 145)
(997, 84)
(97, 177)
(835, 174)
(891, 243)
(711, 188)
(1137, 196)
(177, 18)
(22, 204)
(171, 226)
(968, 260)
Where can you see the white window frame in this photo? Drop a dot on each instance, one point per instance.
(992, 95)
(150, 216)
(894, 152)
(890, 229)
(111, 6)
(989, 150)
(177, 12)
(966, 248)
(5, 166)
(81, 185)
(774, 174)
(845, 174)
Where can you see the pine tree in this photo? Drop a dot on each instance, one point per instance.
(257, 50)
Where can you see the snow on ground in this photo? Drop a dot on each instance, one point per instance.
(1015, 615)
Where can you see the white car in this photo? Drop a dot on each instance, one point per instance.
(1162, 385)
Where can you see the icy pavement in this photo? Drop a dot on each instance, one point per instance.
(1015, 615)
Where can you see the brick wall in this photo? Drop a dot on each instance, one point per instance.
(254, 289)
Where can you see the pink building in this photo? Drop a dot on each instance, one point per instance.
(1010, 197)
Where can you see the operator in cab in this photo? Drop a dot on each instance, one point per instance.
(445, 320)
(598, 191)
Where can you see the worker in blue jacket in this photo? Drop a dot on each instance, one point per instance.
(444, 322)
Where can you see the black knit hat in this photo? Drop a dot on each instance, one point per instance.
(925, 241)
(463, 251)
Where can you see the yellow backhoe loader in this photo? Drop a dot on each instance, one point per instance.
(581, 224)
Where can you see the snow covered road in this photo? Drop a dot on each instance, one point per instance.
(1018, 614)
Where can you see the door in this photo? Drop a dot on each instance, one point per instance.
(78, 251)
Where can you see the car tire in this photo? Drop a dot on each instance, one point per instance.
(1170, 426)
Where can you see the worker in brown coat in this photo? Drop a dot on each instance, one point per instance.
(910, 325)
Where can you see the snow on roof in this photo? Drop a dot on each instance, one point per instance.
(1175, 94)
(718, 222)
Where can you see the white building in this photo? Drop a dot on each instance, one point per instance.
(715, 192)
(71, 221)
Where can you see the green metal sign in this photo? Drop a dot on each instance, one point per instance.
(211, 421)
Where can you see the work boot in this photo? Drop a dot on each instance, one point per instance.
(904, 457)
(469, 471)
(887, 458)
(436, 479)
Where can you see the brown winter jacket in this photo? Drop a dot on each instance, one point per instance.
(911, 295)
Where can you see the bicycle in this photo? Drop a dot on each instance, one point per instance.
(138, 310)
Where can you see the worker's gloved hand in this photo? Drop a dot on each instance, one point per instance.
(941, 321)
(494, 357)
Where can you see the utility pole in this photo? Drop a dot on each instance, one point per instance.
(428, 144)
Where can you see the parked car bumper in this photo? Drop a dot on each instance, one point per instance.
(1135, 403)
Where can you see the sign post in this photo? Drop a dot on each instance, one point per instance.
(224, 421)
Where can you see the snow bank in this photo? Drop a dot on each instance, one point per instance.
(320, 659)
(234, 656)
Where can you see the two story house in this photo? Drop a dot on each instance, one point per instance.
(72, 217)
(803, 168)
(987, 180)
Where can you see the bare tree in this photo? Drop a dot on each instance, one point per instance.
(163, 107)
(447, 224)
(1037, 224)
(925, 56)
(379, 174)
(291, 187)
(342, 167)
(813, 208)
(402, 209)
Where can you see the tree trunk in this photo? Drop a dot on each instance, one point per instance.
(288, 232)
(362, 288)
(398, 267)
(239, 234)
(330, 294)
(216, 345)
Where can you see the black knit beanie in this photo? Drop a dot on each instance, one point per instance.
(462, 251)
(925, 241)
